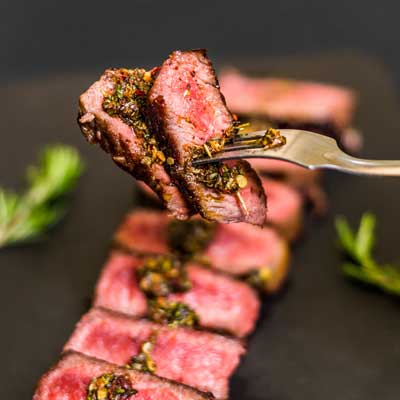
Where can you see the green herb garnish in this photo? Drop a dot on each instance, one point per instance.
(172, 313)
(26, 216)
(361, 266)
(188, 238)
(160, 276)
(128, 98)
(129, 101)
(272, 139)
(221, 177)
(144, 361)
(110, 387)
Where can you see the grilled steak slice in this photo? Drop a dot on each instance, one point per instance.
(221, 302)
(306, 181)
(286, 103)
(238, 249)
(196, 358)
(285, 207)
(127, 139)
(72, 378)
(260, 255)
(144, 231)
(190, 112)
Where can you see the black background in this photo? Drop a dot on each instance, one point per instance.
(37, 37)
(323, 337)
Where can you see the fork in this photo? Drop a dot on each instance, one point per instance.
(307, 149)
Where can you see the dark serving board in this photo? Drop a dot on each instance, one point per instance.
(323, 338)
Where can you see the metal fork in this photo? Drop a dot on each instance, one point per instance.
(307, 149)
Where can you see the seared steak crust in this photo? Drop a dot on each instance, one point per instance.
(125, 147)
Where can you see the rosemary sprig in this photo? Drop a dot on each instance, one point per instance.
(27, 216)
(358, 246)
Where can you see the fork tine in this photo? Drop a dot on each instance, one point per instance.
(245, 141)
(241, 137)
(237, 147)
(241, 153)
(246, 146)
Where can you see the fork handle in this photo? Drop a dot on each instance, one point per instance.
(343, 162)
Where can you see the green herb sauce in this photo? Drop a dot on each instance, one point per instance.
(188, 238)
(129, 102)
(110, 387)
(221, 177)
(160, 276)
(271, 139)
(172, 313)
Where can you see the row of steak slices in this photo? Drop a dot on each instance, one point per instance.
(195, 357)
(120, 324)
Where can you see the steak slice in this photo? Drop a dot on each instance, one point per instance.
(144, 231)
(238, 249)
(126, 143)
(196, 358)
(190, 112)
(221, 302)
(307, 182)
(70, 378)
(285, 207)
(318, 107)
(258, 254)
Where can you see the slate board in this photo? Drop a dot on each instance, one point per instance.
(323, 337)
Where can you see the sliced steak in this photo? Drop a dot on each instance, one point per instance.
(126, 143)
(258, 254)
(238, 249)
(144, 231)
(285, 207)
(288, 103)
(306, 181)
(221, 302)
(196, 358)
(73, 377)
(190, 111)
